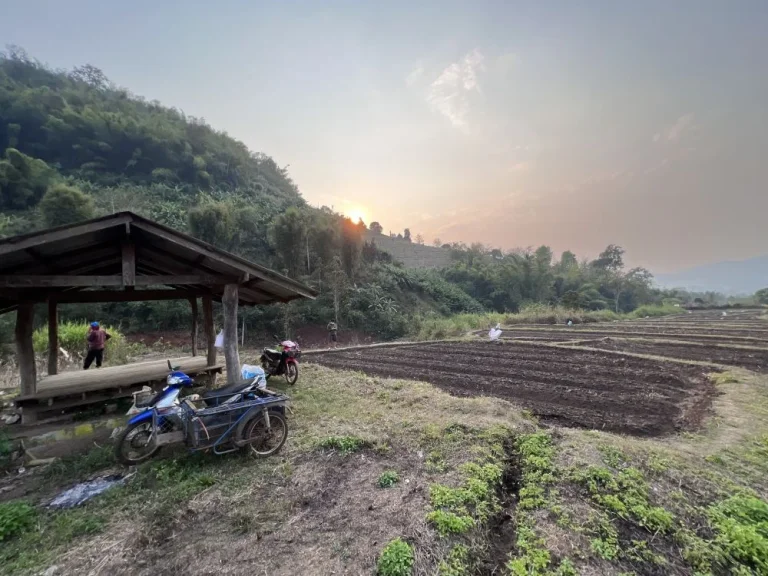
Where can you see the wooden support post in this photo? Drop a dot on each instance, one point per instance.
(210, 335)
(193, 303)
(53, 338)
(25, 353)
(129, 263)
(231, 356)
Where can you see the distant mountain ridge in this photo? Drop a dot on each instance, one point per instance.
(729, 277)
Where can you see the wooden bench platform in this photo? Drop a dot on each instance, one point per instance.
(80, 388)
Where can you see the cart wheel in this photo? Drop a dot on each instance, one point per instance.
(265, 441)
(291, 373)
(135, 444)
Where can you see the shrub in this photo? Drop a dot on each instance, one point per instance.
(654, 311)
(742, 530)
(65, 205)
(15, 517)
(456, 563)
(396, 559)
(388, 479)
(344, 445)
(72, 339)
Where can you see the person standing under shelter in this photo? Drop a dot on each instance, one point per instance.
(97, 339)
(333, 336)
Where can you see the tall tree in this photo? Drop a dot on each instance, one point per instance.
(611, 259)
(287, 234)
(23, 180)
(213, 222)
(65, 205)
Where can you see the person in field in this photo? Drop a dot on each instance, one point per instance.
(333, 334)
(97, 339)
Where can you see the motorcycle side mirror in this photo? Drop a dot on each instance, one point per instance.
(275, 337)
(169, 366)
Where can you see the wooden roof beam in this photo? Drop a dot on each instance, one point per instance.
(51, 281)
(225, 258)
(55, 235)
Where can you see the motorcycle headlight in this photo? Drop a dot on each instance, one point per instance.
(173, 380)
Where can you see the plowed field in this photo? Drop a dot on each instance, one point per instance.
(756, 360)
(570, 386)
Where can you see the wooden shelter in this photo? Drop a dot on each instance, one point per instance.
(126, 258)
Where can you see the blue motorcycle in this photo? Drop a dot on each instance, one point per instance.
(237, 416)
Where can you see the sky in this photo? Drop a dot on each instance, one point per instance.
(515, 124)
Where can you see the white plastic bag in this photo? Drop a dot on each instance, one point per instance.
(248, 372)
(219, 343)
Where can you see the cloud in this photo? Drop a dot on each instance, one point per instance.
(449, 94)
(682, 125)
(520, 167)
(415, 75)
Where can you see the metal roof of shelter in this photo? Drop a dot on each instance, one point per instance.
(124, 257)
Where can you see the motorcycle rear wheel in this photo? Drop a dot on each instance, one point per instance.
(291, 373)
(136, 437)
(264, 441)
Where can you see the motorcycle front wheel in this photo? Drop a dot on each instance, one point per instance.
(135, 445)
(291, 373)
(264, 441)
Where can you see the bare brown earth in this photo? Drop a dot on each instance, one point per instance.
(578, 334)
(572, 387)
(756, 360)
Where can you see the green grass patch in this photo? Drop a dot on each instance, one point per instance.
(79, 466)
(624, 494)
(456, 563)
(72, 339)
(15, 517)
(396, 559)
(536, 454)
(344, 445)
(39, 534)
(439, 327)
(388, 479)
(457, 510)
(721, 378)
(741, 523)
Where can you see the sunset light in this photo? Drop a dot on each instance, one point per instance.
(357, 214)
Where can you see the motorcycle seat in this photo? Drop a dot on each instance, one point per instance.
(226, 391)
(273, 354)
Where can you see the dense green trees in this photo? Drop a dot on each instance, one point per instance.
(93, 130)
(506, 281)
(23, 180)
(64, 205)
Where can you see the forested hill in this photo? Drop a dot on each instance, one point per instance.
(80, 126)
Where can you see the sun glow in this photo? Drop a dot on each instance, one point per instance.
(357, 214)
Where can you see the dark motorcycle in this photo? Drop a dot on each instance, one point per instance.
(283, 360)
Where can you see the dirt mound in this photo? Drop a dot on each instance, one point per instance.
(572, 387)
